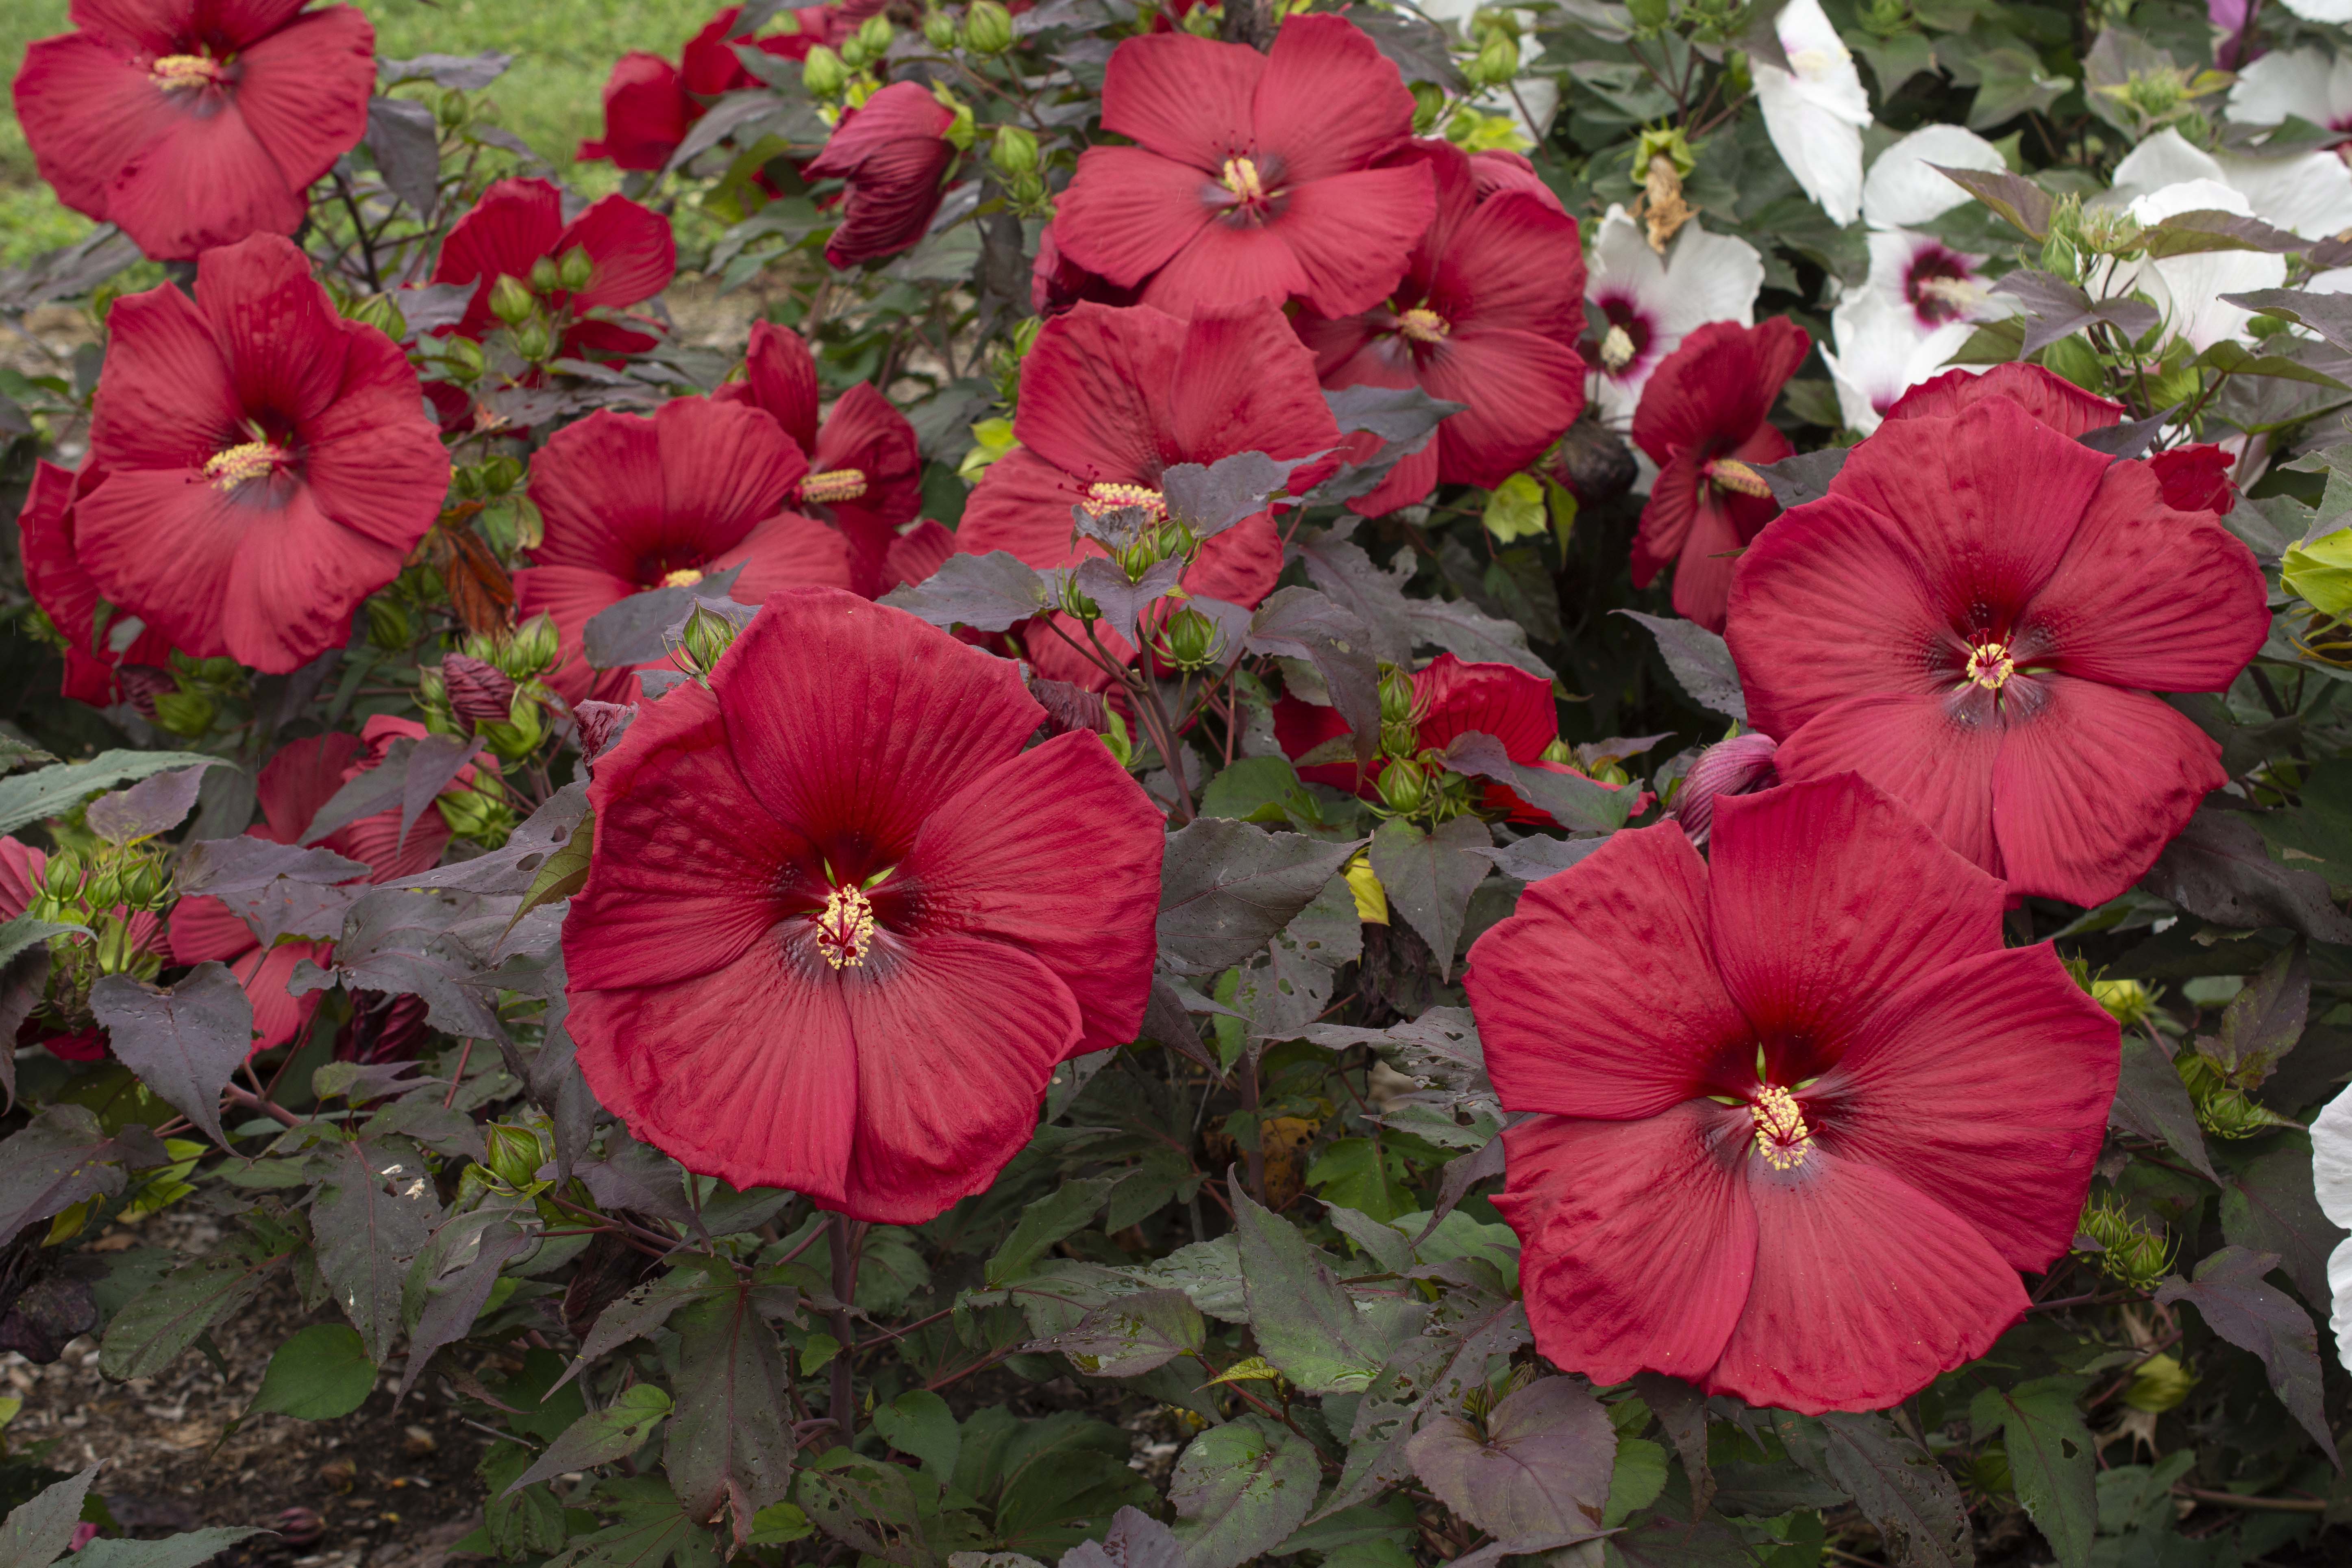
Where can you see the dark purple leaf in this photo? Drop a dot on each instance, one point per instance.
(63, 1156)
(730, 1446)
(1430, 877)
(1533, 858)
(2264, 1019)
(1227, 887)
(1122, 602)
(374, 1209)
(2185, 233)
(1240, 1490)
(1571, 799)
(246, 862)
(2218, 868)
(183, 1041)
(455, 1275)
(463, 73)
(2151, 1102)
(2329, 315)
(1682, 1411)
(1130, 1335)
(2229, 1293)
(2269, 1205)
(987, 593)
(405, 140)
(1135, 1540)
(1301, 623)
(153, 805)
(1699, 661)
(2056, 308)
(1540, 1469)
(1211, 499)
(1805, 477)
(2013, 196)
(639, 629)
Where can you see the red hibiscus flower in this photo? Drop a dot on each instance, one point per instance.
(631, 503)
(519, 222)
(267, 462)
(850, 965)
(1702, 421)
(1800, 1119)
(649, 103)
(1488, 314)
(1973, 617)
(22, 869)
(1449, 698)
(865, 467)
(291, 788)
(190, 124)
(1056, 283)
(2194, 479)
(894, 154)
(1498, 169)
(1253, 175)
(65, 593)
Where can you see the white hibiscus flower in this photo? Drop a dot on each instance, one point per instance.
(2310, 195)
(1883, 352)
(2188, 288)
(2309, 84)
(1816, 109)
(2331, 1174)
(1652, 302)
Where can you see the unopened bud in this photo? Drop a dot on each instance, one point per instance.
(533, 648)
(577, 269)
(875, 32)
(1497, 60)
(143, 884)
(823, 73)
(377, 310)
(532, 341)
(2159, 1385)
(62, 878)
(515, 1154)
(1014, 150)
(545, 276)
(1396, 696)
(1735, 767)
(987, 28)
(2125, 1249)
(2127, 1001)
(511, 297)
(388, 625)
(939, 28)
(1403, 785)
(707, 636)
(1428, 103)
(600, 724)
(478, 691)
(1190, 640)
(464, 358)
(105, 889)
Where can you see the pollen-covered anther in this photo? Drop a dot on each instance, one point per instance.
(832, 485)
(1959, 293)
(1102, 500)
(1781, 1136)
(845, 928)
(683, 577)
(1990, 665)
(1424, 326)
(1731, 474)
(184, 70)
(1617, 348)
(246, 460)
(1241, 179)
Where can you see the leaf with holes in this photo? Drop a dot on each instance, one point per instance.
(1240, 1490)
(2230, 1294)
(2051, 1454)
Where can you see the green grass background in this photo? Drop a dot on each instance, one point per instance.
(563, 50)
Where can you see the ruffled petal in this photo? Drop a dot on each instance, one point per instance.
(1098, 394)
(88, 111)
(298, 576)
(781, 373)
(633, 247)
(1598, 996)
(724, 467)
(1351, 234)
(167, 397)
(1328, 101)
(1129, 209)
(163, 545)
(598, 486)
(1985, 1087)
(1804, 934)
(1227, 264)
(645, 114)
(1638, 1239)
(1935, 755)
(1904, 189)
(1183, 98)
(304, 90)
(371, 458)
(1247, 384)
(1523, 390)
(2049, 397)
(1497, 699)
(1515, 264)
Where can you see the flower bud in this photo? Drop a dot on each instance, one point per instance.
(143, 884)
(707, 636)
(377, 310)
(464, 358)
(2127, 1001)
(545, 277)
(1497, 60)
(824, 74)
(1735, 767)
(1428, 103)
(1014, 150)
(532, 341)
(515, 1154)
(939, 29)
(600, 724)
(576, 270)
(510, 298)
(105, 889)
(1592, 461)
(1403, 785)
(2126, 1251)
(186, 713)
(875, 32)
(2159, 1385)
(479, 692)
(388, 625)
(533, 648)
(1190, 640)
(987, 28)
(62, 880)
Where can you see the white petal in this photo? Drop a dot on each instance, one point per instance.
(1456, 12)
(1903, 191)
(2188, 288)
(2339, 1286)
(2321, 10)
(2287, 81)
(1815, 111)
(1536, 96)
(1710, 278)
(2164, 159)
(2201, 194)
(2331, 1159)
(1881, 356)
(2310, 195)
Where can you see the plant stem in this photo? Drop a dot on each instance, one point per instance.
(1257, 1151)
(844, 1291)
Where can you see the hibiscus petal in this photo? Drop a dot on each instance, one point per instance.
(1022, 505)
(1225, 264)
(1523, 389)
(1639, 1238)
(162, 543)
(909, 715)
(865, 433)
(388, 852)
(634, 252)
(598, 485)
(514, 223)
(279, 1017)
(300, 779)
(1934, 754)
(1328, 101)
(89, 110)
(1864, 1290)
(371, 457)
(285, 342)
(2114, 611)
(1129, 209)
(954, 1049)
(166, 397)
(1710, 552)
(995, 862)
(782, 374)
(724, 467)
(209, 181)
(1985, 1087)
(1183, 97)
(1598, 995)
(570, 596)
(1351, 234)
(2052, 399)
(788, 550)
(1098, 394)
(1515, 263)
(298, 576)
(1239, 566)
(2090, 789)
(1247, 384)
(205, 929)
(1497, 699)
(304, 90)
(1805, 937)
(658, 873)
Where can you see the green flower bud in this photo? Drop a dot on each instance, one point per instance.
(875, 32)
(987, 28)
(463, 357)
(1497, 61)
(824, 74)
(377, 310)
(707, 636)
(533, 341)
(515, 1154)
(2160, 1383)
(940, 29)
(545, 278)
(501, 474)
(1428, 103)
(1190, 640)
(1558, 751)
(2129, 1252)
(388, 626)
(510, 298)
(431, 692)
(2127, 1001)
(105, 889)
(1403, 785)
(62, 880)
(2058, 258)
(1014, 150)
(188, 713)
(451, 110)
(533, 648)
(1076, 603)
(576, 270)
(855, 56)
(143, 884)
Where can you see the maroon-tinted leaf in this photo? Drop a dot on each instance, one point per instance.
(987, 593)
(2230, 1294)
(432, 768)
(62, 274)
(1131, 1335)
(1373, 594)
(2264, 1019)
(464, 73)
(63, 1156)
(405, 140)
(1896, 1484)
(364, 793)
(452, 1279)
(2270, 1205)
(1463, 1173)
(1539, 1470)
(1301, 623)
(634, 631)
(1805, 477)
(2151, 1102)
(2013, 196)
(1430, 1374)
(730, 1446)
(1211, 499)
(1675, 1543)
(1405, 418)
(868, 1504)
(2218, 869)
(1227, 887)
(513, 868)
(153, 805)
(1240, 1490)
(1431, 876)
(2185, 233)
(2329, 315)
(2055, 309)
(1699, 661)
(1135, 1540)
(641, 1311)
(1682, 1411)
(183, 1040)
(375, 1210)
(1122, 602)
(1572, 800)
(219, 866)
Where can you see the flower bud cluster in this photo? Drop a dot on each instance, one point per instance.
(2126, 1251)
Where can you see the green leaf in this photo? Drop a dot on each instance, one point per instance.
(1255, 789)
(1304, 1322)
(38, 1531)
(1226, 887)
(1515, 510)
(1042, 1223)
(919, 1423)
(51, 791)
(1240, 1490)
(149, 1334)
(868, 1504)
(601, 1436)
(321, 1373)
(23, 931)
(1636, 1480)
(564, 873)
(780, 1524)
(191, 1550)
(1357, 1174)
(2051, 1457)
(529, 1522)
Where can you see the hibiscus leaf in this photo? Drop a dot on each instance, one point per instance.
(1805, 477)
(63, 1156)
(2013, 196)
(1531, 859)
(1895, 1483)
(1419, 50)
(183, 1040)
(2051, 1456)
(2269, 1205)
(1226, 887)
(152, 806)
(249, 862)
(149, 1334)
(1131, 1335)
(432, 768)
(2188, 233)
(1540, 1468)
(1432, 1372)
(2264, 1019)
(49, 792)
(372, 1213)
(1373, 594)
(867, 1504)
(601, 1436)
(1405, 418)
(405, 138)
(1210, 499)
(2217, 868)
(1123, 602)
(1572, 800)
(1461, 628)
(2230, 1294)
(1240, 1490)
(462, 73)
(518, 867)
(38, 1530)
(2152, 1102)
(65, 273)
(1431, 876)
(1043, 1223)
(1301, 623)
(1304, 1322)
(640, 1313)
(451, 1280)
(639, 629)
(2056, 308)
(1699, 661)
(2130, 438)
(1135, 1540)
(2329, 315)
(364, 793)
(730, 1442)
(190, 1548)
(987, 593)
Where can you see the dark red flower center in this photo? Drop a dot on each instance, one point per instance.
(1249, 190)
(1940, 286)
